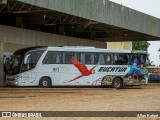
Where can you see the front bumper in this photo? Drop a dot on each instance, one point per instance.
(11, 81)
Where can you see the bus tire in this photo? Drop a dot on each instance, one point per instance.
(45, 82)
(117, 83)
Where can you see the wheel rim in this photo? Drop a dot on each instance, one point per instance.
(117, 84)
(44, 83)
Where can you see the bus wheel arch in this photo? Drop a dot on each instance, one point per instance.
(117, 82)
(45, 81)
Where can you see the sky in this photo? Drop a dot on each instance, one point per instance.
(150, 7)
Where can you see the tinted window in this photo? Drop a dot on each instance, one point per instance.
(67, 56)
(101, 59)
(105, 59)
(87, 58)
(141, 58)
(121, 59)
(30, 60)
(96, 58)
(108, 59)
(52, 58)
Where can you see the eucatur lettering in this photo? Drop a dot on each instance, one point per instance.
(112, 69)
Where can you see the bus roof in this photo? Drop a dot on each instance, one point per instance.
(24, 50)
(87, 49)
(77, 48)
(139, 51)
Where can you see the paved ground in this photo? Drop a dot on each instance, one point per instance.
(139, 98)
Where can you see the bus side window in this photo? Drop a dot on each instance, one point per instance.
(35, 57)
(69, 55)
(126, 59)
(92, 58)
(52, 58)
(48, 59)
(134, 57)
(101, 59)
(118, 59)
(143, 59)
(108, 59)
(82, 59)
(58, 58)
(87, 58)
(96, 58)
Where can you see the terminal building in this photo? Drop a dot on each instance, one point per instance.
(99, 23)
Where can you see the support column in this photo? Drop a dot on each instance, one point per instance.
(2, 79)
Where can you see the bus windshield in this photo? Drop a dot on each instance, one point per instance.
(22, 62)
(16, 64)
(13, 63)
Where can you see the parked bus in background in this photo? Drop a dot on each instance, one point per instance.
(75, 66)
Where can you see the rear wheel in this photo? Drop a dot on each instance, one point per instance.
(45, 82)
(117, 83)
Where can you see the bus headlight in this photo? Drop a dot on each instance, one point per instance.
(16, 78)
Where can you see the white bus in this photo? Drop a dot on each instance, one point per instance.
(74, 66)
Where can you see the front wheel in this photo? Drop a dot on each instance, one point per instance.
(117, 83)
(45, 82)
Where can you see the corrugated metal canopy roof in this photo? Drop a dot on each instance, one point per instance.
(92, 19)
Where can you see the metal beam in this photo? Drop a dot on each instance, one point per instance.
(12, 7)
(22, 6)
(3, 7)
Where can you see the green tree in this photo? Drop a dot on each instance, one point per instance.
(140, 45)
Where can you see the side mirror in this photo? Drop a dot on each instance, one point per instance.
(26, 59)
